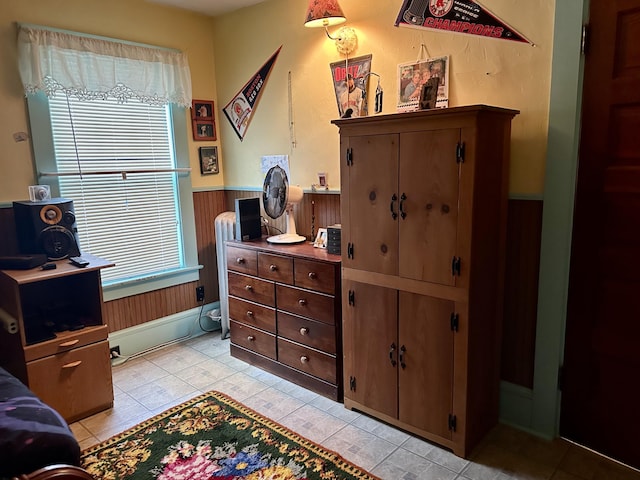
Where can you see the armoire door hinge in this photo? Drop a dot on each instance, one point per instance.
(455, 266)
(452, 422)
(352, 297)
(350, 250)
(352, 384)
(460, 152)
(349, 156)
(454, 321)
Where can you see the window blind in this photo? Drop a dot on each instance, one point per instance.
(133, 218)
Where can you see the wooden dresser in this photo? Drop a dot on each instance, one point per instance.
(59, 345)
(284, 310)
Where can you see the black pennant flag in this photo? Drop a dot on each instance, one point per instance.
(459, 16)
(239, 110)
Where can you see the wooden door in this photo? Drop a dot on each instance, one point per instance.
(601, 392)
(425, 374)
(428, 204)
(370, 346)
(370, 225)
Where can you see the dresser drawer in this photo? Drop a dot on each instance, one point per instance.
(68, 381)
(307, 360)
(242, 260)
(317, 276)
(275, 267)
(306, 303)
(253, 314)
(321, 336)
(253, 339)
(252, 289)
(65, 341)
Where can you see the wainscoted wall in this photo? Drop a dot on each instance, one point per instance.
(319, 210)
(316, 210)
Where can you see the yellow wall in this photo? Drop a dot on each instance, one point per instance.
(224, 53)
(132, 20)
(489, 71)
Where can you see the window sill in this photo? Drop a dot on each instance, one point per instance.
(128, 288)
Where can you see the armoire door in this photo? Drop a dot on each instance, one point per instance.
(425, 358)
(428, 205)
(370, 346)
(368, 187)
(600, 391)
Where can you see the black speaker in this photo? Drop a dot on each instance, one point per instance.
(47, 227)
(248, 224)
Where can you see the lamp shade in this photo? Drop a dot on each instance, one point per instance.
(324, 13)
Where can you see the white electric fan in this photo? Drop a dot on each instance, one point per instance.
(278, 198)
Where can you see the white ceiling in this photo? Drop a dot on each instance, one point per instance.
(209, 7)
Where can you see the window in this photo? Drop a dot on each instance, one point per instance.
(109, 132)
(130, 218)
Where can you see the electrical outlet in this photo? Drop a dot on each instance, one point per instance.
(200, 293)
(114, 352)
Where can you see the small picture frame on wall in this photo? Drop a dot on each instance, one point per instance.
(202, 110)
(209, 160)
(203, 130)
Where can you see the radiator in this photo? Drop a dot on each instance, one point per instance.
(225, 225)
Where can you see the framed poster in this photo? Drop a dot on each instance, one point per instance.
(350, 83)
(208, 160)
(413, 76)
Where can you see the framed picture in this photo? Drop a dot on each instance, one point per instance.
(202, 110)
(432, 73)
(204, 130)
(321, 238)
(209, 160)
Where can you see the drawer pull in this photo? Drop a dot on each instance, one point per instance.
(249, 313)
(70, 343)
(302, 302)
(273, 267)
(251, 338)
(248, 288)
(72, 364)
(312, 275)
(304, 331)
(239, 260)
(304, 359)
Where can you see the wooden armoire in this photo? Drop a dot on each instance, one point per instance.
(424, 209)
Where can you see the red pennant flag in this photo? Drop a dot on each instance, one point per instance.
(239, 110)
(459, 16)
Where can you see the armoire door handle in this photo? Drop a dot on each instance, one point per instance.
(394, 198)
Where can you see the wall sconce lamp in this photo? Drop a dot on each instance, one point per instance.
(326, 13)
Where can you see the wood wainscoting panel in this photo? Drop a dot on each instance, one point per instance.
(316, 210)
(524, 231)
(207, 206)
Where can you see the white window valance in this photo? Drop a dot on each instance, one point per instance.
(89, 68)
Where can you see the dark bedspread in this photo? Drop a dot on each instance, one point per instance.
(32, 434)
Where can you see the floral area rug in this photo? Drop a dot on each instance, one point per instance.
(214, 437)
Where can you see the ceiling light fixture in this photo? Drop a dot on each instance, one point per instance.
(326, 13)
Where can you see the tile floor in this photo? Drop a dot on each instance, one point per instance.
(151, 383)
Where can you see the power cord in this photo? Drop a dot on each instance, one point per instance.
(119, 359)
